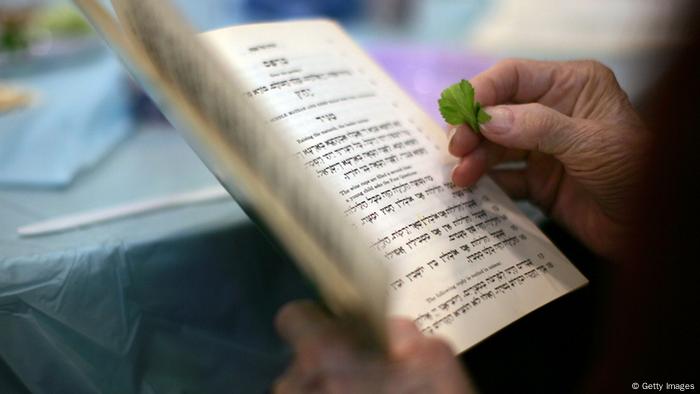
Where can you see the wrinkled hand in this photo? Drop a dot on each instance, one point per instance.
(326, 360)
(583, 144)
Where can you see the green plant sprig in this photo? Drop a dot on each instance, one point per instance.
(458, 106)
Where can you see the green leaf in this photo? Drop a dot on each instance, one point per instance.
(457, 106)
(481, 115)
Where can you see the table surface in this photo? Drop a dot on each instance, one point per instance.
(176, 299)
(153, 163)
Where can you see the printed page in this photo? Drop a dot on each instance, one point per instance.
(463, 262)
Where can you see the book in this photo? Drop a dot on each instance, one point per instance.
(344, 170)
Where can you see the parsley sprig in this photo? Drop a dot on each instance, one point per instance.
(458, 106)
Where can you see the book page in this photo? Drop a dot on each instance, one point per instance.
(463, 263)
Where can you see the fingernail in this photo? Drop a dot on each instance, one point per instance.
(501, 120)
(452, 133)
(452, 173)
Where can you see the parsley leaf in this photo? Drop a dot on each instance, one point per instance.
(457, 106)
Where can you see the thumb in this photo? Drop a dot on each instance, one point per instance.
(533, 127)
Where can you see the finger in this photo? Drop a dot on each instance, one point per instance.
(514, 80)
(555, 84)
(462, 140)
(321, 344)
(513, 182)
(476, 163)
(506, 155)
(300, 320)
(404, 338)
(470, 168)
(498, 154)
(535, 127)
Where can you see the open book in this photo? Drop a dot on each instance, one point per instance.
(344, 170)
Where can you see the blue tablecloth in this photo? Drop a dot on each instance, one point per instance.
(79, 113)
(174, 301)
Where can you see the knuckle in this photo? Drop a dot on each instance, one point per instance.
(544, 128)
(603, 69)
(567, 78)
(509, 62)
(598, 70)
(515, 64)
(535, 117)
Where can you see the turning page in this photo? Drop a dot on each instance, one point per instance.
(463, 263)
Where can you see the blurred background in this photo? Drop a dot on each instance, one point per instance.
(182, 299)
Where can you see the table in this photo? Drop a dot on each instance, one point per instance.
(171, 301)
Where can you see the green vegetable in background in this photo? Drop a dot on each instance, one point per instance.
(13, 29)
(13, 38)
(457, 106)
(63, 21)
(19, 29)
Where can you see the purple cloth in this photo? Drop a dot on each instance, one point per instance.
(424, 72)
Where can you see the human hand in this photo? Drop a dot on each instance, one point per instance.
(583, 144)
(327, 362)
